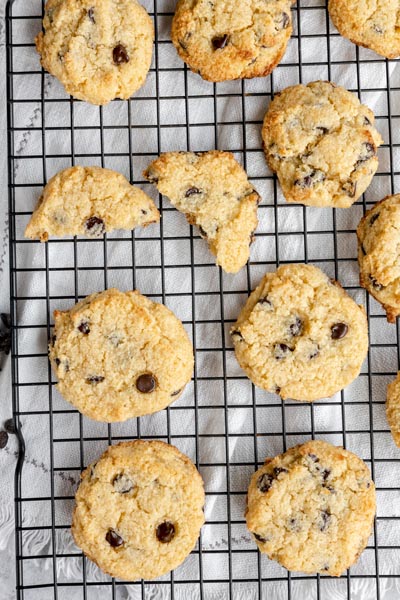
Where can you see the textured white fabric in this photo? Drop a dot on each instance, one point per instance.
(238, 419)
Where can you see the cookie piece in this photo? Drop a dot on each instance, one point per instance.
(118, 355)
(322, 144)
(89, 201)
(393, 408)
(139, 509)
(372, 25)
(231, 39)
(212, 189)
(312, 508)
(300, 334)
(378, 236)
(98, 49)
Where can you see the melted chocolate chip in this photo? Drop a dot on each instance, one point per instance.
(281, 351)
(313, 457)
(368, 150)
(350, 187)
(282, 21)
(95, 379)
(310, 180)
(219, 42)
(296, 327)
(57, 361)
(84, 327)
(259, 538)
(264, 482)
(9, 426)
(325, 474)
(95, 227)
(165, 532)
(53, 340)
(90, 14)
(338, 331)
(146, 383)
(192, 191)
(278, 470)
(325, 519)
(323, 130)
(373, 218)
(114, 539)
(122, 484)
(265, 302)
(176, 393)
(366, 121)
(120, 55)
(378, 286)
(203, 233)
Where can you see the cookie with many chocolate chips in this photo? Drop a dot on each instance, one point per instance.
(379, 254)
(312, 508)
(89, 201)
(231, 39)
(118, 355)
(300, 334)
(322, 144)
(139, 509)
(213, 191)
(98, 49)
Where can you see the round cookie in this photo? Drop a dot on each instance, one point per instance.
(98, 49)
(378, 236)
(118, 355)
(231, 39)
(300, 334)
(322, 144)
(139, 509)
(393, 408)
(213, 191)
(89, 201)
(372, 25)
(312, 508)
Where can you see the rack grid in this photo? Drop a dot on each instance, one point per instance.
(222, 422)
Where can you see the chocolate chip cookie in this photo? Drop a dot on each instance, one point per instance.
(379, 254)
(312, 508)
(322, 144)
(139, 509)
(98, 49)
(231, 39)
(393, 408)
(118, 355)
(372, 25)
(300, 334)
(213, 191)
(89, 201)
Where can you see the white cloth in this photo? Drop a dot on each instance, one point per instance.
(238, 418)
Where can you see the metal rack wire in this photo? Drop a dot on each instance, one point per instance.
(203, 423)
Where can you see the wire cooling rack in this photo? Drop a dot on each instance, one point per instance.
(227, 426)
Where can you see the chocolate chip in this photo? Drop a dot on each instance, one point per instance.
(259, 538)
(310, 180)
(95, 379)
(281, 351)
(53, 340)
(368, 150)
(3, 439)
(191, 191)
(313, 457)
(176, 393)
(237, 335)
(296, 327)
(219, 42)
(323, 130)
(146, 383)
(373, 218)
(114, 539)
(278, 470)
(120, 55)
(95, 226)
(150, 176)
(84, 327)
(57, 361)
(203, 233)
(182, 45)
(325, 519)
(165, 532)
(90, 14)
(325, 567)
(264, 482)
(122, 484)
(330, 489)
(367, 121)
(338, 331)
(325, 474)
(378, 286)
(282, 21)
(9, 426)
(314, 353)
(350, 188)
(265, 302)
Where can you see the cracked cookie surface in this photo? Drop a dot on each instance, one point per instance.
(379, 254)
(374, 25)
(393, 408)
(213, 191)
(139, 509)
(322, 144)
(224, 39)
(98, 49)
(300, 334)
(118, 355)
(312, 508)
(89, 201)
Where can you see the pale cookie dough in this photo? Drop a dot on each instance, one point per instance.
(139, 509)
(213, 191)
(375, 25)
(322, 144)
(98, 49)
(89, 201)
(379, 254)
(312, 508)
(393, 408)
(231, 39)
(118, 355)
(300, 334)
